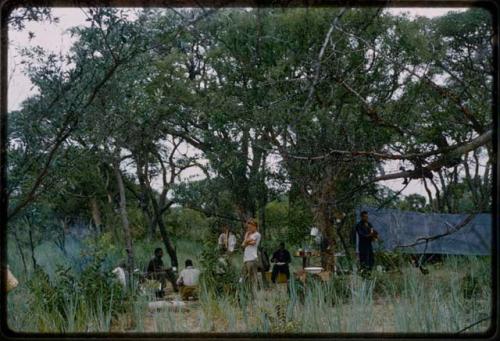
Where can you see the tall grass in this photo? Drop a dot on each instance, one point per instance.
(401, 302)
(452, 296)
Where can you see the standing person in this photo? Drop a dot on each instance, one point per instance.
(227, 240)
(366, 234)
(188, 280)
(157, 271)
(281, 258)
(250, 244)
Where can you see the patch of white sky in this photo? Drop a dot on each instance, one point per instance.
(56, 38)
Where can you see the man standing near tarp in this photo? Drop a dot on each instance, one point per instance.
(366, 234)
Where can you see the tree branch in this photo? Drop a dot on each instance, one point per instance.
(320, 56)
(443, 161)
(449, 231)
(439, 89)
(61, 137)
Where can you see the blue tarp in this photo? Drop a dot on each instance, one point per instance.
(397, 227)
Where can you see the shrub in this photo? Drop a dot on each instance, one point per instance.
(339, 289)
(391, 261)
(388, 284)
(77, 302)
(214, 281)
(469, 286)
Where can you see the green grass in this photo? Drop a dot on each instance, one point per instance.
(454, 294)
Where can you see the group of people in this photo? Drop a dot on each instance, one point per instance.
(253, 256)
(187, 281)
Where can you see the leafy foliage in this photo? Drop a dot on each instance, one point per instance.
(217, 278)
(72, 298)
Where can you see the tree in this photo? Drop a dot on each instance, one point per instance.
(334, 102)
(64, 97)
(306, 103)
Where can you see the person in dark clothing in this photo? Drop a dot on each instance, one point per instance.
(366, 235)
(281, 258)
(157, 271)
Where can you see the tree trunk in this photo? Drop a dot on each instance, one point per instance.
(485, 188)
(60, 241)
(262, 209)
(144, 201)
(32, 248)
(151, 225)
(20, 249)
(158, 219)
(446, 197)
(323, 195)
(154, 217)
(323, 222)
(472, 184)
(169, 246)
(96, 214)
(262, 219)
(344, 244)
(429, 194)
(124, 217)
(263, 193)
(439, 203)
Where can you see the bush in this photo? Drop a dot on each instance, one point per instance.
(339, 289)
(388, 284)
(391, 261)
(469, 286)
(477, 279)
(77, 302)
(218, 283)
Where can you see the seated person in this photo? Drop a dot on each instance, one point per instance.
(281, 258)
(188, 280)
(227, 240)
(157, 271)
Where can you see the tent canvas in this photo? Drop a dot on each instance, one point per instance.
(397, 227)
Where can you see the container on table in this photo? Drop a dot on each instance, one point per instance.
(313, 269)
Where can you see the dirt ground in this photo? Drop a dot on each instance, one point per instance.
(191, 318)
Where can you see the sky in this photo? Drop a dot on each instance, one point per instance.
(55, 37)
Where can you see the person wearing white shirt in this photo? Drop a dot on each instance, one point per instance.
(227, 240)
(250, 244)
(188, 280)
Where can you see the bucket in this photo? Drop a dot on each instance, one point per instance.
(280, 279)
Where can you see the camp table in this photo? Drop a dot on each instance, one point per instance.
(306, 257)
(323, 276)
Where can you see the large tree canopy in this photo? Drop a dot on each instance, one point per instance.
(310, 103)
